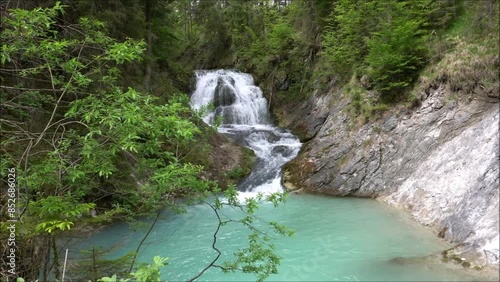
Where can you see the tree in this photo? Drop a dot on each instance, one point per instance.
(80, 140)
(46, 71)
(397, 51)
(385, 41)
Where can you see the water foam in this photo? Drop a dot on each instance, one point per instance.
(232, 98)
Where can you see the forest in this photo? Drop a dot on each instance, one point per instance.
(95, 122)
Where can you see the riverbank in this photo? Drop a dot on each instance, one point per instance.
(438, 161)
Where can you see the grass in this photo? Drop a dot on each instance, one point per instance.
(463, 22)
(364, 104)
(468, 65)
(465, 56)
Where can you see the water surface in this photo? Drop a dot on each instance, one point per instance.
(336, 239)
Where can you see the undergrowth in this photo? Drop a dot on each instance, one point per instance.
(466, 55)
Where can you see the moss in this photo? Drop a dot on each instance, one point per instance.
(248, 161)
(243, 169)
(448, 256)
(236, 173)
(211, 150)
(297, 170)
(466, 264)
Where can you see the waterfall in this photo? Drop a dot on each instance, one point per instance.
(231, 99)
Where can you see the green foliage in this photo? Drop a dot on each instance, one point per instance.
(110, 279)
(396, 53)
(92, 264)
(57, 213)
(362, 102)
(32, 24)
(384, 40)
(83, 141)
(281, 36)
(145, 272)
(344, 39)
(250, 50)
(131, 122)
(98, 128)
(149, 272)
(236, 173)
(72, 67)
(465, 54)
(250, 259)
(260, 256)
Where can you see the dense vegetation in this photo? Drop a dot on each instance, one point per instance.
(94, 119)
(85, 148)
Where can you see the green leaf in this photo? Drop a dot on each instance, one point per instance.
(108, 279)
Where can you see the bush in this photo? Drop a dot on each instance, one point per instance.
(395, 57)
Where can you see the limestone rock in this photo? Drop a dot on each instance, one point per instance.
(440, 162)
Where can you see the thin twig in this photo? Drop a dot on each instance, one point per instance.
(145, 237)
(212, 264)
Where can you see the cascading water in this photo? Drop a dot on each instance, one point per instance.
(336, 239)
(231, 99)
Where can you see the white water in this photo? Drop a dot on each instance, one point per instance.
(249, 108)
(232, 98)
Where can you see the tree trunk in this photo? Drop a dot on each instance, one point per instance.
(47, 259)
(56, 258)
(149, 45)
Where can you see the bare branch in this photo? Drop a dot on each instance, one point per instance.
(145, 237)
(30, 89)
(214, 242)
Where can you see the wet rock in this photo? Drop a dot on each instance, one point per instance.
(282, 150)
(304, 117)
(224, 93)
(223, 156)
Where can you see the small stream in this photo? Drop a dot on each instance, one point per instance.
(336, 239)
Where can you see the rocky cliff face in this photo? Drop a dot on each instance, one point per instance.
(439, 161)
